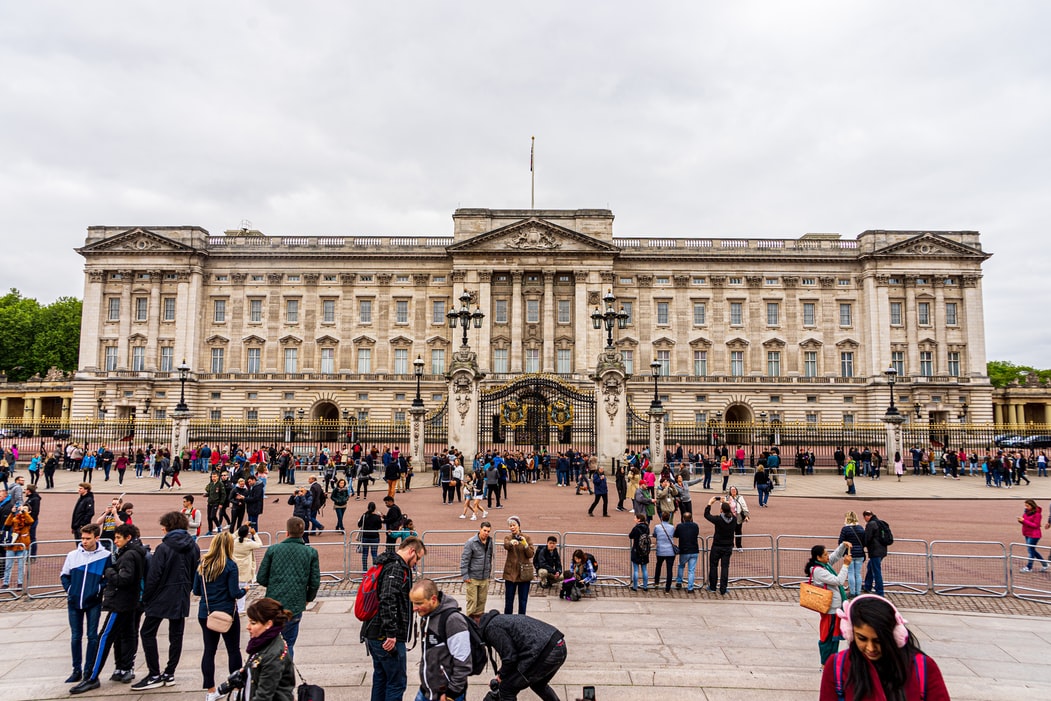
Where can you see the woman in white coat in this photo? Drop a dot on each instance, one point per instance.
(820, 569)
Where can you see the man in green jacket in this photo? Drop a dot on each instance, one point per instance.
(292, 575)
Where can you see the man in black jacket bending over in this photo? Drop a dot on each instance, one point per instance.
(531, 653)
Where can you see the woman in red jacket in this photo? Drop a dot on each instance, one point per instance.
(883, 661)
(1030, 521)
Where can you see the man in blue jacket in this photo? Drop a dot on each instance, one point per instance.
(82, 578)
(166, 595)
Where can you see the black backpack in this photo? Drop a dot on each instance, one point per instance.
(644, 544)
(883, 534)
(480, 653)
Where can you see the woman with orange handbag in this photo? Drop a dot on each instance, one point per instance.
(821, 572)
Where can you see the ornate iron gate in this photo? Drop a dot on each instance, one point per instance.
(536, 412)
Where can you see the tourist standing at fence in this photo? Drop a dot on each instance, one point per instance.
(292, 575)
(722, 544)
(392, 520)
(899, 466)
(340, 496)
(18, 522)
(663, 532)
(50, 465)
(370, 524)
(215, 496)
(820, 568)
(620, 479)
(724, 471)
(876, 551)
(476, 569)
(739, 509)
(166, 596)
(883, 660)
(854, 535)
(82, 579)
(83, 510)
(518, 566)
(640, 552)
(849, 473)
(687, 537)
(385, 633)
(1030, 520)
(666, 495)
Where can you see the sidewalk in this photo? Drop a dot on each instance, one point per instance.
(626, 648)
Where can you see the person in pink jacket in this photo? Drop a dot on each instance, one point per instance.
(1030, 521)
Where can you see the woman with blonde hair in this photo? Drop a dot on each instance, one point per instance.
(217, 584)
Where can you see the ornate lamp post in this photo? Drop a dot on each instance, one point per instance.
(655, 370)
(962, 416)
(184, 374)
(146, 407)
(610, 317)
(464, 316)
(891, 374)
(417, 367)
(917, 407)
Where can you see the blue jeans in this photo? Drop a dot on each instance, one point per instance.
(366, 548)
(638, 570)
(77, 631)
(854, 576)
(11, 558)
(690, 562)
(874, 576)
(389, 675)
(1033, 554)
(512, 588)
(291, 633)
(764, 493)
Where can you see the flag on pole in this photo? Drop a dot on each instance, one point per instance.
(532, 143)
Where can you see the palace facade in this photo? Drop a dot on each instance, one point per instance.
(793, 330)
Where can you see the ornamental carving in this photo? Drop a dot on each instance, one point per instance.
(311, 278)
(827, 281)
(238, 278)
(560, 414)
(882, 280)
(717, 280)
(593, 297)
(347, 278)
(384, 278)
(533, 239)
(459, 275)
(420, 278)
(607, 276)
(681, 280)
(96, 275)
(789, 280)
(611, 391)
(485, 276)
(645, 280)
(971, 280)
(581, 276)
(275, 278)
(513, 414)
(754, 280)
(462, 388)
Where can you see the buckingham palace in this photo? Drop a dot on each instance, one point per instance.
(346, 327)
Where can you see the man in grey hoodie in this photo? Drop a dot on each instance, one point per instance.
(445, 662)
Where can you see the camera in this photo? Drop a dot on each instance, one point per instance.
(236, 680)
(494, 691)
(718, 498)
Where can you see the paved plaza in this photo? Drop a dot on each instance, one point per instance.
(750, 644)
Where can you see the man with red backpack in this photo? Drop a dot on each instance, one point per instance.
(385, 626)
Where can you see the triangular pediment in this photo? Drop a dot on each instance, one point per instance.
(326, 340)
(929, 245)
(216, 339)
(290, 339)
(437, 341)
(532, 235)
(253, 340)
(137, 240)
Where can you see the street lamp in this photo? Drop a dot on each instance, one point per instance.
(762, 426)
(610, 318)
(184, 374)
(464, 316)
(655, 370)
(101, 408)
(917, 407)
(962, 416)
(891, 374)
(146, 407)
(417, 366)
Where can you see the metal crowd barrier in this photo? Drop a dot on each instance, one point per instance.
(444, 548)
(1031, 586)
(753, 566)
(777, 475)
(19, 565)
(959, 574)
(44, 570)
(792, 553)
(906, 567)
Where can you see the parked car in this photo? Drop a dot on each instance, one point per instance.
(1007, 440)
(1033, 442)
(15, 432)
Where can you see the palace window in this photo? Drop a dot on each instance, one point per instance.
(773, 363)
(563, 311)
(895, 314)
(773, 313)
(698, 314)
(218, 356)
(664, 358)
(328, 311)
(846, 364)
(950, 314)
(291, 360)
(438, 311)
(897, 361)
(532, 360)
(328, 361)
(364, 361)
(500, 311)
(113, 309)
(563, 361)
(437, 361)
(219, 311)
(926, 363)
(737, 363)
(628, 358)
(142, 306)
(700, 363)
(810, 364)
(736, 314)
(401, 311)
(923, 313)
(532, 311)
(291, 311)
(953, 360)
(167, 358)
(254, 360)
(365, 311)
(255, 311)
(169, 308)
(500, 363)
(138, 358)
(662, 313)
(809, 314)
(846, 315)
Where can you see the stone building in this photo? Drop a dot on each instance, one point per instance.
(793, 330)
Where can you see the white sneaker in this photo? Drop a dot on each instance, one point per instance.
(1026, 569)
(484, 513)
(463, 515)
(212, 696)
(474, 517)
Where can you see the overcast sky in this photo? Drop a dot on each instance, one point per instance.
(731, 119)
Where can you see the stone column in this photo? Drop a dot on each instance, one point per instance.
(418, 438)
(657, 439)
(941, 357)
(180, 431)
(548, 313)
(464, 377)
(581, 321)
(38, 410)
(91, 321)
(998, 414)
(517, 321)
(155, 311)
(485, 303)
(611, 415)
(892, 445)
(3, 408)
(126, 314)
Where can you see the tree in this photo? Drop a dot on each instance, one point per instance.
(1002, 372)
(33, 338)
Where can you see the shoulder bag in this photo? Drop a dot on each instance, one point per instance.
(218, 621)
(814, 597)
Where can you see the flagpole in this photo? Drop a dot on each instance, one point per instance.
(532, 174)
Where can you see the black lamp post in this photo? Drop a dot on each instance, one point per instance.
(611, 317)
(101, 409)
(464, 316)
(417, 366)
(146, 407)
(655, 370)
(346, 415)
(891, 374)
(184, 374)
(917, 407)
(962, 416)
(762, 426)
